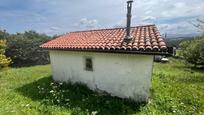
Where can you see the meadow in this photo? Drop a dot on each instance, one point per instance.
(176, 89)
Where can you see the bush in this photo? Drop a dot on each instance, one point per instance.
(3, 35)
(193, 51)
(4, 61)
(24, 50)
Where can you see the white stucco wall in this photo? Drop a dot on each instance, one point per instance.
(122, 75)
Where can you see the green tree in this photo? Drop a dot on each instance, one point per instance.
(3, 35)
(24, 50)
(193, 51)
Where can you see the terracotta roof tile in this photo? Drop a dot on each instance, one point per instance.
(145, 38)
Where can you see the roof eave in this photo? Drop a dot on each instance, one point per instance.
(114, 51)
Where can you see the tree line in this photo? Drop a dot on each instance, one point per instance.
(193, 51)
(22, 49)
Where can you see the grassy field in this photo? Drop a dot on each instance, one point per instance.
(176, 89)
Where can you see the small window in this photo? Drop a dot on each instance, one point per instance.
(88, 64)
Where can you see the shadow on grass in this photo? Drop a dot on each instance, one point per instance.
(77, 97)
(192, 79)
(198, 69)
(190, 69)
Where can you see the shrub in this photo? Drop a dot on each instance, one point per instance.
(193, 51)
(24, 50)
(3, 34)
(4, 61)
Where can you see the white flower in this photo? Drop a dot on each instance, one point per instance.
(12, 111)
(51, 91)
(94, 112)
(51, 83)
(27, 105)
(61, 83)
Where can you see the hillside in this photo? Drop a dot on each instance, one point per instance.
(175, 41)
(176, 89)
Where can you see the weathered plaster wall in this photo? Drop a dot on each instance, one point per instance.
(122, 75)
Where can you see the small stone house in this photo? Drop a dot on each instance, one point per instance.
(117, 60)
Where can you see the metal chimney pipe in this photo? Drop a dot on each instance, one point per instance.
(129, 8)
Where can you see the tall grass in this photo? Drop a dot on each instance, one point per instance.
(176, 89)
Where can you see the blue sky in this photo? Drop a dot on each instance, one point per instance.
(60, 16)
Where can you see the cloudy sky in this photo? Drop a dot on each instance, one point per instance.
(60, 16)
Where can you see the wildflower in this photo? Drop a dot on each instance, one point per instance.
(94, 112)
(27, 105)
(61, 83)
(54, 87)
(51, 91)
(51, 83)
(12, 111)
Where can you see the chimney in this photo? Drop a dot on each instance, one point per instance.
(129, 8)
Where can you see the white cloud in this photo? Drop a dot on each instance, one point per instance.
(168, 8)
(44, 15)
(54, 28)
(87, 23)
(149, 18)
(148, 12)
(178, 28)
(163, 26)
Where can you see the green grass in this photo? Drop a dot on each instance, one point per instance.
(176, 89)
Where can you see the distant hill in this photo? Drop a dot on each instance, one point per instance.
(174, 42)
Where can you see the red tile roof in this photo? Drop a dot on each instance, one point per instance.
(146, 39)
